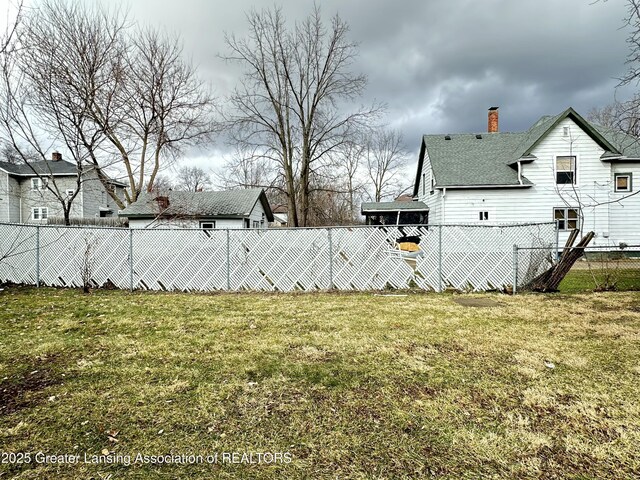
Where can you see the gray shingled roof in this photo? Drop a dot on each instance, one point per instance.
(44, 167)
(465, 160)
(393, 207)
(627, 145)
(490, 159)
(230, 203)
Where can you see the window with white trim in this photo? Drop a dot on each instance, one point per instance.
(208, 225)
(424, 183)
(566, 218)
(565, 169)
(36, 184)
(482, 216)
(70, 192)
(256, 224)
(623, 182)
(39, 213)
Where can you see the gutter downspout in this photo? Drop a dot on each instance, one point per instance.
(444, 194)
(519, 172)
(20, 208)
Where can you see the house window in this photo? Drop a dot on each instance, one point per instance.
(424, 183)
(208, 225)
(36, 184)
(256, 224)
(566, 218)
(623, 182)
(246, 223)
(483, 216)
(70, 192)
(40, 213)
(565, 170)
(433, 185)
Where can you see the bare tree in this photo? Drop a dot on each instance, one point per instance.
(126, 96)
(349, 165)
(14, 15)
(618, 116)
(193, 179)
(247, 168)
(29, 127)
(385, 157)
(163, 184)
(288, 104)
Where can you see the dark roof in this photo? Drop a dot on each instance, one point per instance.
(465, 160)
(490, 159)
(44, 167)
(229, 203)
(374, 207)
(47, 168)
(628, 146)
(280, 208)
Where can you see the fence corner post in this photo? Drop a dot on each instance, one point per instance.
(131, 259)
(515, 269)
(330, 259)
(38, 256)
(440, 258)
(228, 253)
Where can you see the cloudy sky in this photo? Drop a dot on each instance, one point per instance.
(439, 64)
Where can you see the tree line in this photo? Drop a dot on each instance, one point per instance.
(122, 100)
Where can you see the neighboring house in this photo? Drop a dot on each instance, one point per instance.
(280, 215)
(25, 198)
(402, 211)
(562, 169)
(244, 208)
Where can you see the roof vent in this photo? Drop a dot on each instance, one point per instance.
(447, 137)
(478, 136)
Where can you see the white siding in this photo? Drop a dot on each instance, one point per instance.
(4, 197)
(432, 200)
(14, 200)
(45, 198)
(593, 189)
(94, 196)
(624, 210)
(257, 214)
(184, 223)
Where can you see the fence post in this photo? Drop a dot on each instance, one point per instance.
(515, 269)
(37, 255)
(228, 261)
(557, 240)
(330, 259)
(131, 259)
(439, 258)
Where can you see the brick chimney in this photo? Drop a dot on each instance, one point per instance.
(56, 156)
(492, 120)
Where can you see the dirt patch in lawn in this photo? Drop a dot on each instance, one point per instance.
(26, 388)
(475, 302)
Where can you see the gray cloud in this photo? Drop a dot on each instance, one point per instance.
(439, 64)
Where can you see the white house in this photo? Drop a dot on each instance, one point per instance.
(562, 169)
(26, 196)
(243, 208)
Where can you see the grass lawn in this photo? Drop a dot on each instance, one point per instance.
(585, 276)
(348, 385)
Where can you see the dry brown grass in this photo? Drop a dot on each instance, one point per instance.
(352, 385)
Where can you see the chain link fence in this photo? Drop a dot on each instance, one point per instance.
(601, 268)
(435, 257)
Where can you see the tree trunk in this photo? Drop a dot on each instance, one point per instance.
(550, 279)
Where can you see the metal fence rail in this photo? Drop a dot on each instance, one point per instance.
(464, 257)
